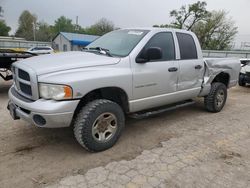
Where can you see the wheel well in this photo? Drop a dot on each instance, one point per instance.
(114, 94)
(223, 78)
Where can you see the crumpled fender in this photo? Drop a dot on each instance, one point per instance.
(215, 66)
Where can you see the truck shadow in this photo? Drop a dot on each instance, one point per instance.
(4, 87)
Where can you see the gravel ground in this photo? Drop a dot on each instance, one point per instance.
(188, 147)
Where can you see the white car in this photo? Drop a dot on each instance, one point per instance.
(244, 77)
(41, 50)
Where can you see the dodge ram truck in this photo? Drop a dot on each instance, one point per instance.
(125, 72)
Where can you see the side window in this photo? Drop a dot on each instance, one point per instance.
(187, 46)
(165, 41)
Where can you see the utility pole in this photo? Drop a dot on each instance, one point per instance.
(1, 13)
(77, 26)
(34, 30)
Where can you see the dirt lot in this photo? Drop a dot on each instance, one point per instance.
(34, 157)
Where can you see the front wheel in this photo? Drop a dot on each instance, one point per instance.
(98, 125)
(216, 99)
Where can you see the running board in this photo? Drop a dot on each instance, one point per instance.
(145, 114)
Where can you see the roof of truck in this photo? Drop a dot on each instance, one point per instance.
(158, 29)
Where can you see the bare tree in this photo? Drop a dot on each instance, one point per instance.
(188, 16)
(101, 27)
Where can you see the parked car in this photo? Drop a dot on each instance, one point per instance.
(41, 50)
(244, 77)
(128, 71)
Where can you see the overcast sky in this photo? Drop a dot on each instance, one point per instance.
(124, 13)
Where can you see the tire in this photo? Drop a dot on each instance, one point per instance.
(216, 99)
(98, 125)
(241, 81)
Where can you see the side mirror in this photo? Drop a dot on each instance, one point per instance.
(153, 53)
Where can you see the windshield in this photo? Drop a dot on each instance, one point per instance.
(119, 43)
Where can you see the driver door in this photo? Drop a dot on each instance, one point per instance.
(155, 81)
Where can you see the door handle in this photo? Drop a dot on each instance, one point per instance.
(198, 67)
(173, 69)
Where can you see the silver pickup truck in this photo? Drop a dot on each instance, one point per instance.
(129, 71)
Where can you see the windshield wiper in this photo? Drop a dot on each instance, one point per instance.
(100, 50)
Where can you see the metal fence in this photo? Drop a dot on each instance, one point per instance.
(238, 54)
(9, 43)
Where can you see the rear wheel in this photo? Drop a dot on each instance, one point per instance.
(216, 99)
(99, 124)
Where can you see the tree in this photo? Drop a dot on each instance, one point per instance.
(101, 27)
(4, 29)
(27, 26)
(63, 24)
(216, 32)
(44, 32)
(187, 17)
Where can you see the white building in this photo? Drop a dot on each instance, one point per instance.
(71, 41)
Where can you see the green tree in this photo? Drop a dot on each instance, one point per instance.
(26, 26)
(63, 24)
(216, 32)
(4, 29)
(188, 16)
(44, 32)
(101, 27)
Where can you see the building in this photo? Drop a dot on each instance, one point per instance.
(71, 41)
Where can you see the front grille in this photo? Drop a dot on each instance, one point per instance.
(25, 88)
(24, 82)
(23, 75)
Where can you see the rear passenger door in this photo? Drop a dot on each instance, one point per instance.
(191, 67)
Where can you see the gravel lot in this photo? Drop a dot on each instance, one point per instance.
(188, 147)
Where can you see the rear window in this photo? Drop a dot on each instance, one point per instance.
(187, 46)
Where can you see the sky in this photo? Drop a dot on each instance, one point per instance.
(123, 13)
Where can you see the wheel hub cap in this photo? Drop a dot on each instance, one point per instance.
(220, 98)
(104, 127)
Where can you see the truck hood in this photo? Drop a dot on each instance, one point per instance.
(65, 61)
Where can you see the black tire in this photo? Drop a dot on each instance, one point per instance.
(211, 101)
(88, 116)
(242, 81)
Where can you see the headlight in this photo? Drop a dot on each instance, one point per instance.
(56, 92)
